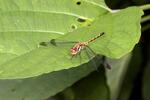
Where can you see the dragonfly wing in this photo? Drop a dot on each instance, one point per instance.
(56, 42)
(91, 50)
(89, 55)
(100, 58)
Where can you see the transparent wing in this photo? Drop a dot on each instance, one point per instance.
(56, 42)
(90, 54)
(99, 58)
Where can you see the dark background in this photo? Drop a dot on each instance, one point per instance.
(144, 44)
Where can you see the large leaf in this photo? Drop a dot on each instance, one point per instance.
(21, 31)
(93, 87)
(119, 38)
(82, 8)
(101, 3)
(131, 74)
(116, 75)
(23, 24)
(121, 32)
(40, 88)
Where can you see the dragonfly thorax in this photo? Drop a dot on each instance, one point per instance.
(78, 47)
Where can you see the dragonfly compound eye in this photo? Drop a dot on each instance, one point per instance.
(73, 51)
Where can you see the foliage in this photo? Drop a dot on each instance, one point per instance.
(30, 71)
(21, 37)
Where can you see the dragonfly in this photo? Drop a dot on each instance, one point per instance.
(78, 47)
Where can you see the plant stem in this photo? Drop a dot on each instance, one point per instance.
(145, 18)
(145, 7)
(146, 27)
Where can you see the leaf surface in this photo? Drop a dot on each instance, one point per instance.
(42, 87)
(25, 24)
(93, 87)
(116, 75)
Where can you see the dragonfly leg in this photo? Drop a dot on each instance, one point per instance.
(80, 58)
(79, 54)
(72, 56)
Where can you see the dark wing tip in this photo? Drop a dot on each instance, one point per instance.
(52, 41)
(102, 33)
(43, 44)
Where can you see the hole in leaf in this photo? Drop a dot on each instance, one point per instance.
(81, 20)
(78, 2)
(73, 27)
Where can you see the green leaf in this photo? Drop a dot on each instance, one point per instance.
(93, 87)
(42, 87)
(119, 38)
(115, 76)
(25, 23)
(68, 7)
(4, 57)
(101, 3)
(128, 81)
(122, 31)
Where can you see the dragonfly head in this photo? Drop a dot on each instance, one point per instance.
(78, 47)
(73, 51)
